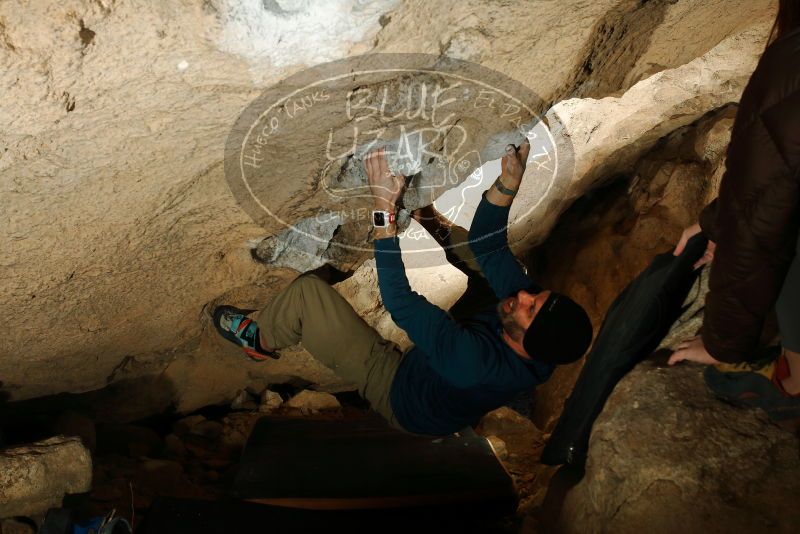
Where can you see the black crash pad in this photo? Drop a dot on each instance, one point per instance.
(185, 516)
(634, 325)
(365, 464)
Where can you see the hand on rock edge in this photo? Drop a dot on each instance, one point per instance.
(692, 350)
(386, 187)
(687, 234)
(513, 164)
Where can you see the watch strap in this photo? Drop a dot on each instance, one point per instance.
(389, 218)
(503, 189)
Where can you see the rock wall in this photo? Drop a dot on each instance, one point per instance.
(118, 230)
(666, 456)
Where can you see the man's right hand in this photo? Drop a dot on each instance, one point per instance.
(513, 164)
(688, 233)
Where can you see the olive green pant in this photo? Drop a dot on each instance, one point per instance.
(309, 311)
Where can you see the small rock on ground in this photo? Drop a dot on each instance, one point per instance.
(207, 429)
(16, 526)
(270, 401)
(499, 447)
(313, 401)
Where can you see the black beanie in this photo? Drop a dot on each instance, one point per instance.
(560, 333)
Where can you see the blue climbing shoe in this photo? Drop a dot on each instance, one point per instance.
(234, 325)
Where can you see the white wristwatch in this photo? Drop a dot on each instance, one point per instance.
(382, 219)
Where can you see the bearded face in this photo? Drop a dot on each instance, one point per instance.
(510, 324)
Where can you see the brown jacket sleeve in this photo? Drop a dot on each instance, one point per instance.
(754, 221)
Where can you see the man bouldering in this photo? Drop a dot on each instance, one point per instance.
(460, 366)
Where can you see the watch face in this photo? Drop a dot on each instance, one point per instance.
(378, 219)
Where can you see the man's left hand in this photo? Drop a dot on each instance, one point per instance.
(692, 350)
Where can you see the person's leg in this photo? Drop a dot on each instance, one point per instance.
(310, 312)
(788, 312)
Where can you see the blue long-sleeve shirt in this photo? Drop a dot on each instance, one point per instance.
(456, 372)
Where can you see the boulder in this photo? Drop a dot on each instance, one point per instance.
(16, 526)
(308, 400)
(239, 401)
(35, 477)
(184, 426)
(270, 401)
(233, 441)
(597, 139)
(504, 420)
(210, 430)
(499, 447)
(666, 456)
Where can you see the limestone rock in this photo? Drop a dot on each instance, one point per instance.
(504, 421)
(308, 400)
(270, 401)
(666, 456)
(233, 440)
(241, 398)
(605, 137)
(714, 136)
(250, 406)
(499, 447)
(691, 320)
(35, 477)
(15, 526)
(131, 223)
(207, 429)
